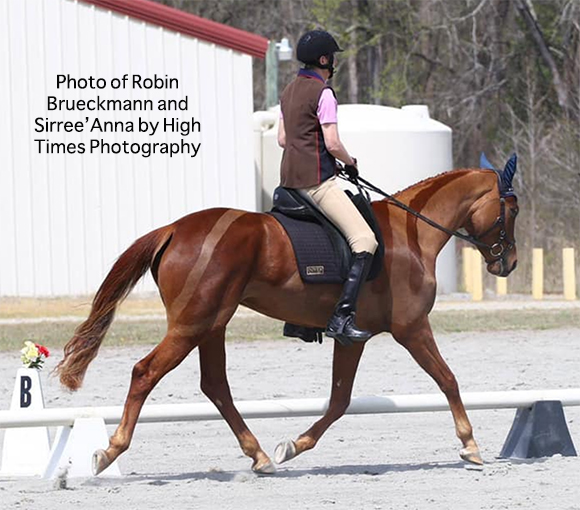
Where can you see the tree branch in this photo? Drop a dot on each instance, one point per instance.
(540, 41)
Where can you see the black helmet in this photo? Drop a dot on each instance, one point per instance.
(313, 45)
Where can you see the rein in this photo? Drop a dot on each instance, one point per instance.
(497, 250)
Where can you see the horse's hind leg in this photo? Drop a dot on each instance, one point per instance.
(344, 367)
(146, 374)
(214, 384)
(421, 345)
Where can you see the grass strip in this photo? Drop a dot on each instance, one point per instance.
(252, 328)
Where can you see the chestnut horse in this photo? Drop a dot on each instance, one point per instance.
(208, 263)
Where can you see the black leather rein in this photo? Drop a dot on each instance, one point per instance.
(497, 250)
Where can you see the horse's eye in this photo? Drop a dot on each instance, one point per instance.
(514, 212)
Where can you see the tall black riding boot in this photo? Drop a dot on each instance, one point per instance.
(341, 325)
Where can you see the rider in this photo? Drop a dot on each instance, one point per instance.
(308, 133)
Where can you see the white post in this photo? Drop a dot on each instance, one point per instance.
(477, 272)
(538, 273)
(501, 286)
(569, 274)
(467, 276)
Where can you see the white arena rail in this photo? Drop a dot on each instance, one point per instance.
(289, 408)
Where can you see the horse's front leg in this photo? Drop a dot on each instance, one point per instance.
(344, 367)
(421, 345)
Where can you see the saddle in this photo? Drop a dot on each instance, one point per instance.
(322, 252)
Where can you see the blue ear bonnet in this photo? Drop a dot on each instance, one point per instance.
(505, 177)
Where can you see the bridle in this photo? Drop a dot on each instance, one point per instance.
(498, 250)
(503, 245)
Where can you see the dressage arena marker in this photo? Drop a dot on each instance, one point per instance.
(71, 449)
(26, 450)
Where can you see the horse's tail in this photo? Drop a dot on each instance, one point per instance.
(83, 347)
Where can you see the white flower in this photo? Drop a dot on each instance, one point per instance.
(29, 353)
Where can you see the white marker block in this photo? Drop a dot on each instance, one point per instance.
(73, 448)
(25, 451)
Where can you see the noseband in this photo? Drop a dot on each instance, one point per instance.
(498, 250)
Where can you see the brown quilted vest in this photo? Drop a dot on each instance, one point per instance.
(306, 161)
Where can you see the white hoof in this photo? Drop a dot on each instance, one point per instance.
(286, 450)
(100, 462)
(471, 455)
(265, 469)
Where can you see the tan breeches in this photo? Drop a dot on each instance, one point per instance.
(339, 209)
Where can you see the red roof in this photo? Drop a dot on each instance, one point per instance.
(188, 24)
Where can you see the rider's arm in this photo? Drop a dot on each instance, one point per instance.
(327, 113)
(334, 145)
(281, 133)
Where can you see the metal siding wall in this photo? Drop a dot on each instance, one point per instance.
(210, 129)
(190, 71)
(225, 114)
(8, 280)
(244, 142)
(67, 219)
(89, 49)
(55, 163)
(74, 230)
(144, 221)
(176, 167)
(39, 170)
(21, 154)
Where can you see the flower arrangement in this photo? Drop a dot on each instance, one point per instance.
(33, 355)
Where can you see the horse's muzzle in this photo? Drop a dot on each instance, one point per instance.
(500, 267)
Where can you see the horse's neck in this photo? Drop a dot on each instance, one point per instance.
(446, 199)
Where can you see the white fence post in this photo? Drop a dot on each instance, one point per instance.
(569, 273)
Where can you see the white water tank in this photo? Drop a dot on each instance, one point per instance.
(394, 148)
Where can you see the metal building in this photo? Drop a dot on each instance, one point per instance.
(65, 218)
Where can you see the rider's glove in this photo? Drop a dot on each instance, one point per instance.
(351, 170)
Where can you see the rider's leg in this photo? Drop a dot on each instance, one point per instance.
(341, 325)
(340, 210)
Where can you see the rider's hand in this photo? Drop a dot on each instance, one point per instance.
(351, 170)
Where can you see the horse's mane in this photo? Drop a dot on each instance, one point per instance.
(428, 180)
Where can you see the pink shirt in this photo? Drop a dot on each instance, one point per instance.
(327, 108)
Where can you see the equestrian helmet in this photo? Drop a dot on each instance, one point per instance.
(315, 44)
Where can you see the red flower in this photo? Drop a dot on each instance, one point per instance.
(43, 350)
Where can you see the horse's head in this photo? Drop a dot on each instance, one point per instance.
(492, 221)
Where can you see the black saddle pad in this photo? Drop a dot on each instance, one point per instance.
(322, 253)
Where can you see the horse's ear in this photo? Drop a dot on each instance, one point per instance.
(484, 163)
(510, 170)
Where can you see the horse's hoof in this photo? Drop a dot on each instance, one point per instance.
(267, 468)
(286, 450)
(100, 462)
(471, 455)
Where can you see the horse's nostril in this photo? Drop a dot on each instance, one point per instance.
(514, 265)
